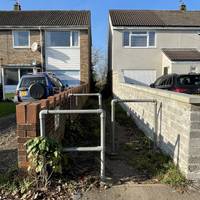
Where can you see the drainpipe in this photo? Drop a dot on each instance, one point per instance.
(41, 49)
(2, 77)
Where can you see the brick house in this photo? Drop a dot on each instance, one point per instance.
(54, 41)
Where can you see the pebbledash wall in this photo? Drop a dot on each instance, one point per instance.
(178, 118)
(27, 116)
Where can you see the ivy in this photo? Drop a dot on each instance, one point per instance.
(44, 156)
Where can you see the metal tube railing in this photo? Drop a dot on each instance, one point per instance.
(87, 94)
(114, 101)
(100, 148)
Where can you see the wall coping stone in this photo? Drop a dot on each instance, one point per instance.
(185, 98)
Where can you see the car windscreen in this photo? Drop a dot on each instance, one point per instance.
(188, 80)
(28, 81)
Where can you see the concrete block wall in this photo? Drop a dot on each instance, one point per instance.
(27, 116)
(178, 121)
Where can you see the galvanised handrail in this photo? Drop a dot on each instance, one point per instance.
(100, 148)
(87, 94)
(114, 101)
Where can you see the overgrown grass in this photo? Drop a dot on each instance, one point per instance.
(173, 176)
(141, 156)
(7, 108)
(13, 182)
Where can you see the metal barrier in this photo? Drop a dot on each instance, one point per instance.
(87, 94)
(114, 101)
(100, 148)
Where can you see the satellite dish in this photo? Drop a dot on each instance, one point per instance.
(34, 47)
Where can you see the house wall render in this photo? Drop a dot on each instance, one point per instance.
(149, 58)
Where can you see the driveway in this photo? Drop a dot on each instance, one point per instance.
(8, 143)
(7, 122)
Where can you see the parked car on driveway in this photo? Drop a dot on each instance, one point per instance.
(37, 86)
(183, 83)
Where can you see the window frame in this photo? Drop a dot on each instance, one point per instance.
(139, 31)
(13, 39)
(5, 82)
(71, 46)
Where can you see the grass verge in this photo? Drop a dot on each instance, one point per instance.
(7, 108)
(9, 96)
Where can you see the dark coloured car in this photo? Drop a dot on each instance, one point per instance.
(183, 83)
(37, 86)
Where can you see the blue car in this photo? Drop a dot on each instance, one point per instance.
(37, 86)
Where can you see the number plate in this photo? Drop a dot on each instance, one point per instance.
(23, 93)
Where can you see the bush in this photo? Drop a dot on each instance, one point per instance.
(44, 155)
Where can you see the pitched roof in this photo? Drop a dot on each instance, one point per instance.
(155, 18)
(182, 54)
(45, 18)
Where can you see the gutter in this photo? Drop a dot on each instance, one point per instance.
(154, 28)
(45, 27)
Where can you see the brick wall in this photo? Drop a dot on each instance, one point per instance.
(27, 115)
(178, 118)
(85, 56)
(11, 55)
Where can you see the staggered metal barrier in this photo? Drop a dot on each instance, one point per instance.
(102, 114)
(114, 101)
(100, 148)
(86, 94)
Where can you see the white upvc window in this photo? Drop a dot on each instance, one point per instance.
(62, 39)
(139, 39)
(21, 39)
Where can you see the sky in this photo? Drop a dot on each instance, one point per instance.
(99, 10)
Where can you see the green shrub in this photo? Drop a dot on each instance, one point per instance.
(173, 176)
(44, 155)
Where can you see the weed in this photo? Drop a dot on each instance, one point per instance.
(173, 176)
(14, 182)
(84, 130)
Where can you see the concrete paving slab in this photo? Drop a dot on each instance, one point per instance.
(141, 192)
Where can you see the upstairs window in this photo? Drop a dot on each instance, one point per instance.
(126, 39)
(21, 39)
(62, 38)
(74, 38)
(138, 39)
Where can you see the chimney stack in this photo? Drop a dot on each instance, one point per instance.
(17, 6)
(183, 7)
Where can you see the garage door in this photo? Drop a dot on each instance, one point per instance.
(141, 77)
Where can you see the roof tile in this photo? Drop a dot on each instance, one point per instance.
(45, 18)
(155, 18)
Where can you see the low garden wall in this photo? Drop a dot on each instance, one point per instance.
(178, 121)
(27, 117)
